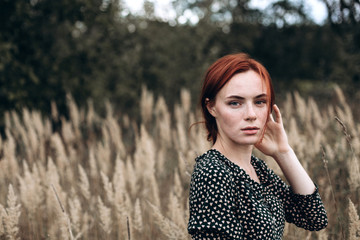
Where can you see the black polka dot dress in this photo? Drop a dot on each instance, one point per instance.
(225, 203)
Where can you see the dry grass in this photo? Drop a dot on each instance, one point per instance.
(111, 178)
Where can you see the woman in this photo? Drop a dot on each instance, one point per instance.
(234, 195)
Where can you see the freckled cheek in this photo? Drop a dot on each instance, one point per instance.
(263, 115)
(231, 118)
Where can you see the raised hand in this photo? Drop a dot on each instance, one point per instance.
(275, 144)
(274, 141)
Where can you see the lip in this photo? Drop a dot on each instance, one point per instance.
(251, 130)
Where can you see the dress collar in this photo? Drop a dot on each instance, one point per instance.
(240, 172)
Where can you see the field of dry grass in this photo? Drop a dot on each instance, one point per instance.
(93, 177)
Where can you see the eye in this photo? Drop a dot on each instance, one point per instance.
(234, 103)
(261, 102)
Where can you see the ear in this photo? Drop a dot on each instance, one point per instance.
(210, 105)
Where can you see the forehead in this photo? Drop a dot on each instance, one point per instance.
(244, 84)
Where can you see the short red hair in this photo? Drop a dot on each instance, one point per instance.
(219, 73)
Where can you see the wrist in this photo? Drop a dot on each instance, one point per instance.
(284, 153)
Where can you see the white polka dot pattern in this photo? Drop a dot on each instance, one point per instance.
(225, 203)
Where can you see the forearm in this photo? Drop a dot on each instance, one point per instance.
(294, 172)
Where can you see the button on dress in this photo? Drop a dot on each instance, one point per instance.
(225, 203)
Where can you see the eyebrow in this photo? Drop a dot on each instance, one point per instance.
(242, 98)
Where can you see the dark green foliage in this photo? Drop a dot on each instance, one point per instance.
(91, 49)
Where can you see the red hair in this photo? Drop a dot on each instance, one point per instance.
(219, 73)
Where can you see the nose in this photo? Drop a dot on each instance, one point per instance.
(250, 113)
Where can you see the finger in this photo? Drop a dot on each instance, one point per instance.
(271, 118)
(277, 114)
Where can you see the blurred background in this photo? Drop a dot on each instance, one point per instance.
(97, 96)
(109, 49)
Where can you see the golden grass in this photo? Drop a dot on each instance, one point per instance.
(112, 178)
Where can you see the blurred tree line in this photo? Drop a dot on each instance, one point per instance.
(98, 49)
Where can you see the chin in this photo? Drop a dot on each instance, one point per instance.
(252, 141)
(246, 142)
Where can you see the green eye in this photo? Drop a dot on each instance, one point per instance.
(234, 103)
(260, 102)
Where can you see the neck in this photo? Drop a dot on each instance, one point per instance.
(238, 154)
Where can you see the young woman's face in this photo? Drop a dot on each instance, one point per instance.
(240, 109)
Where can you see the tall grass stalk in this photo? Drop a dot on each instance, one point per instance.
(333, 194)
(64, 218)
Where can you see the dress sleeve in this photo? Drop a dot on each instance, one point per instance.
(305, 211)
(211, 210)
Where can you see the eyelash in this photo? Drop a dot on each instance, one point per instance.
(233, 103)
(261, 102)
(258, 102)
